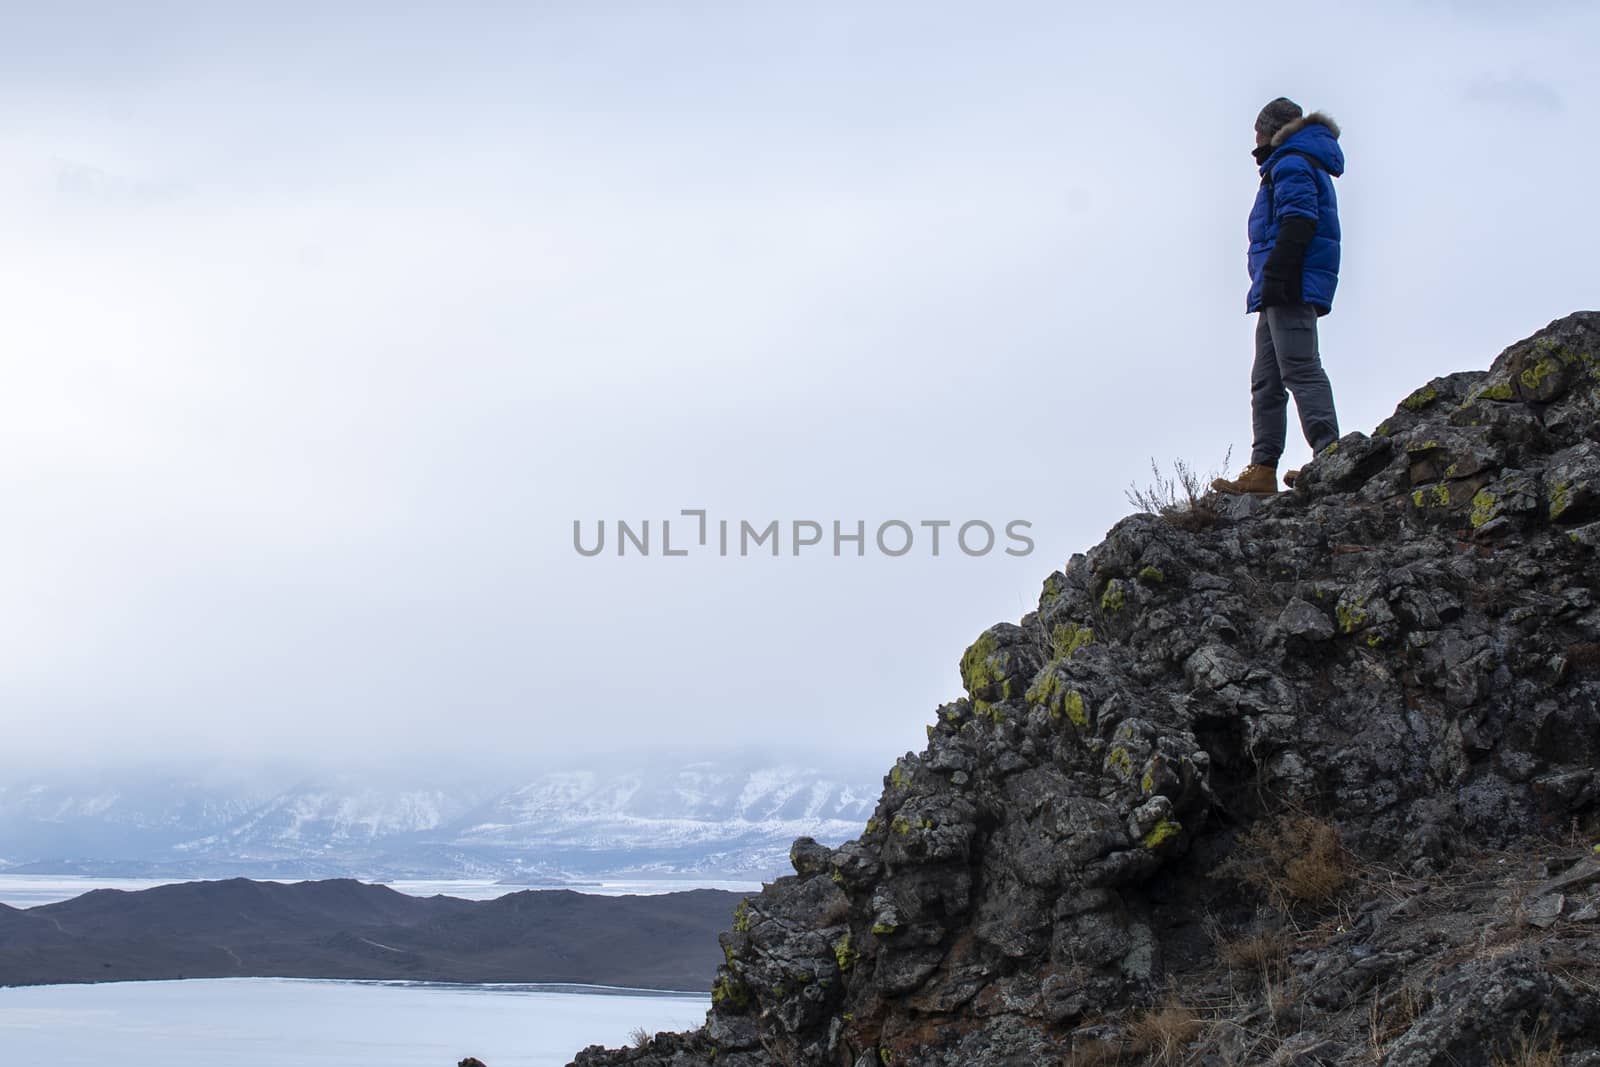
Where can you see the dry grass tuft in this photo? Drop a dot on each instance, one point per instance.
(1393, 1015)
(1261, 951)
(1161, 1034)
(640, 1037)
(1179, 497)
(837, 911)
(1530, 1050)
(1096, 1053)
(1293, 860)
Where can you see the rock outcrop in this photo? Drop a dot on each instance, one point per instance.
(1301, 780)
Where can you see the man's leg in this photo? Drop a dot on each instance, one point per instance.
(1294, 339)
(1268, 400)
(1268, 404)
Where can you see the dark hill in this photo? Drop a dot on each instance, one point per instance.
(347, 929)
(1307, 780)
(196, 908)
(556, 933)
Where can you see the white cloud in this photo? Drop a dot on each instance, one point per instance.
(1516, 94)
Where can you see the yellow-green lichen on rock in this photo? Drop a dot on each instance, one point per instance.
(1052, 692)
(1533, 376)
(993, 673)
(729, 992)
(1152, 575)
(1115, 598)
(1560, 499)
(741, 917)
(1068, 637)
(1419, 399)
(843, 954)
(1162, 832)
(1350, 618)
(1072, 707)
(977, 665)
(1436, 497)
(1544, 379)
(1483, 508)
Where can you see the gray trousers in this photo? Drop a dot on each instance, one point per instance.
(1287, 361)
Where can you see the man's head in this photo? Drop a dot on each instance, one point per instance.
(1274, 117)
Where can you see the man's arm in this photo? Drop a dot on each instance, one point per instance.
(1294, 203)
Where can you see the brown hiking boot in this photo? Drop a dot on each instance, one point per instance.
(1256, 478)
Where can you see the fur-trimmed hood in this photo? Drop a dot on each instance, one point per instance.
(1315, 118)
(1315, 135)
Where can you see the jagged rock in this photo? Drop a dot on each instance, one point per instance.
(1300, 619)
(1404, 650)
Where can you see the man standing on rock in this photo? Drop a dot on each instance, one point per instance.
(1294, 267)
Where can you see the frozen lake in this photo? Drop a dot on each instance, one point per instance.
(291, 1022)
(28, 890)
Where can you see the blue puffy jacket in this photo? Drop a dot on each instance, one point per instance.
(1297, 182)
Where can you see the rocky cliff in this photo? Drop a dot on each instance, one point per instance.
(1303, 780)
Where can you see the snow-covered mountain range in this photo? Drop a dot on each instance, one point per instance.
(706, 818)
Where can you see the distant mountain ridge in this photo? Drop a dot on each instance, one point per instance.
(704, 819)
(347, 929)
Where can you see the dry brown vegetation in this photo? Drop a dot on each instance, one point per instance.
(1293, 859)
(1096, 1054)
(1261, 951)
(1179, 497)
(1531, 1050)
(1161, 1034)
(1391, 1016)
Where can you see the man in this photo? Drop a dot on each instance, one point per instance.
(1294, 267)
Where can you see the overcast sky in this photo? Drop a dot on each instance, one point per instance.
(318, 331)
